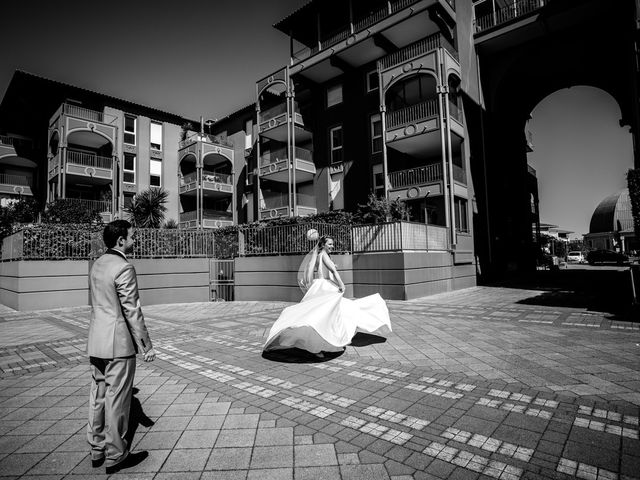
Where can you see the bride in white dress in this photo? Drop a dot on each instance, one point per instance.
(325, 321)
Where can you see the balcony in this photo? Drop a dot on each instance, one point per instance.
(82, 164)
(273, 124)
(203, 137)
(517, 10)
(415, 176)
(359, 25)
(278, 206)
(84, 126)
(274, 165)
(419, 112)
(416, 50)
(214, 184)
(87, 114)
(16, 184)
(210, 219)
(459, 175)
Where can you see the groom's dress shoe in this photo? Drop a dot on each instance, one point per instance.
(97, 463)
(131, 461)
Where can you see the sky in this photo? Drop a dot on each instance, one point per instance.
(581, 155)
(192, 58)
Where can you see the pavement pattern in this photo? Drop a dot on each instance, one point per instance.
(471, 384)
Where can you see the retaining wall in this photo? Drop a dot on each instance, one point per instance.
(45, 284)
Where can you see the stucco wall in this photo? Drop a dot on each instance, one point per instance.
(395, 275)
(38, 285)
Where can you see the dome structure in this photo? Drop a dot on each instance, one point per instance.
(613, 214)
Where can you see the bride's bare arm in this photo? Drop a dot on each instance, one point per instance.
(332, 268)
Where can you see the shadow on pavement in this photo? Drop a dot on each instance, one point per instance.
(600, 290)
(297, 355)
(137, 417)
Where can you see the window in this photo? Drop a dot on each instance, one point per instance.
(335, 142)
(128, 199)
(248, 134)
(155, 173)
(334, 95)
(130, 129)
(378, 180)
(376, 133)
(156, 136)
(129, 168)
(372, 81)
(461, 215)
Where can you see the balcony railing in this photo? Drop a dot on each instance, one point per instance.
(383, 237)
(217, 177)
(189, 178)
(280, 154)
(92, 205)
(207, 177)
(416, 176)
(273, 112)
(515, 10)
(459, 174)
(358, 25)
(204, 137)
(417, 49)
(207, 214)
(282, 200)
(454, 111)
(87, 114)
(89, 160)
(413, 113)
(6, 179)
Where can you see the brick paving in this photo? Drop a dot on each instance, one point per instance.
(471, 384)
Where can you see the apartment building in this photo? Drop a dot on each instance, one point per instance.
(61, 141)
(370, 103)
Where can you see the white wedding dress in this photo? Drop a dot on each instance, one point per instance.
(326, 321)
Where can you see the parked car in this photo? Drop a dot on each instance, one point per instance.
(606, 256)
(575, 256)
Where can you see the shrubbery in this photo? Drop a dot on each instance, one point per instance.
(69, 211)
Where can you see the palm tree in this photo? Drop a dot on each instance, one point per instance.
(147, 208)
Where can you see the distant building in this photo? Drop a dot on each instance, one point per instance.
(611, 224)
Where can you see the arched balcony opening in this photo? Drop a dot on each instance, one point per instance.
(405, 100)
(54, 143)
(16, 170)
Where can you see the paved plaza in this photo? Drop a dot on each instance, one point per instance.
(470, 384)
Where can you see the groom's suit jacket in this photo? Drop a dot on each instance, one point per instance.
(117, 327)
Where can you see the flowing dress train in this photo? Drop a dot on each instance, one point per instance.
(326, 321)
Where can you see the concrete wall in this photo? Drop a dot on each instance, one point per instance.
(395, 275)
(38, 285)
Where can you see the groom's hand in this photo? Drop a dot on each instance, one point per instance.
(150, 355)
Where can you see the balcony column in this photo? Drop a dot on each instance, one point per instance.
(447, 117)
(385, 167)
(351, 28)
(442, 100)
(318, 31)
(199, 197)
(62, 181)
(291, 146)
(257, 188)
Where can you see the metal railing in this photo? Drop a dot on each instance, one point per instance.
(92, 205)
(416, 176)
(207, 214)
(282, 200)
(189, 178)
(204, 137)
(273, 112)
(454, 111)
(89, 160)
(517, 9)
(280, 154)
(459, 174)
(398, 236)
(412, 113)
(224, 178)
(417, 49)
(25, 181)
(88, 114)
(383, 237)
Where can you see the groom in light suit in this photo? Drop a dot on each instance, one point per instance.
(116, 333)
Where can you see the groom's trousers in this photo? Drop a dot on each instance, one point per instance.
(109, 406)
